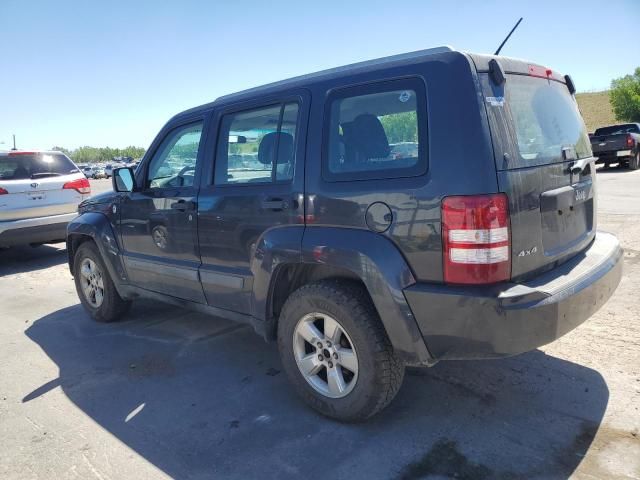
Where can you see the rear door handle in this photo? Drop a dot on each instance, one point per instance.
(274, 204)
(183, 205)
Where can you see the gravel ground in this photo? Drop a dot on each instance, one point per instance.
(170, 393)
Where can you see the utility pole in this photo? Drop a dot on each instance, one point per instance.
(14, 142)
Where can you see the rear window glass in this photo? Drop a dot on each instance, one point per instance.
(618, 129)
(41, 165)
(375, 131)
(546, 120)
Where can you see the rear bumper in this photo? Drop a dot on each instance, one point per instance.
(508, 319)
(35, 230)
(612, 156)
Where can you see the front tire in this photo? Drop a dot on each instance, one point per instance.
(95, 288)
(336, 352)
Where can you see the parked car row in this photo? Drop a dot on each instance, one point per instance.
(98, 171)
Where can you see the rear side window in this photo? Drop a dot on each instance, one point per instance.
(376, 131)
(22, 166)
(257, 146)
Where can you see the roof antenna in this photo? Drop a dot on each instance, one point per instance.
(505, 40)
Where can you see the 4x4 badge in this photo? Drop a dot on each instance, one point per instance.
(525, 253)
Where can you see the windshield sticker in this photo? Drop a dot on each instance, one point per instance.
(496, 101)
(404, 96)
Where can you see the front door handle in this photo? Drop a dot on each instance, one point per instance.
(183, 205)
(275, 204)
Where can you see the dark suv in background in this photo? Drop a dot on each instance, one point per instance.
(429, 206)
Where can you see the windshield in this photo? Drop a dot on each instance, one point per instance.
(38, 165)
(618, 129)
(546, 120)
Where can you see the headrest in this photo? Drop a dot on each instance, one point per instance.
(366, 135)
(266, 150)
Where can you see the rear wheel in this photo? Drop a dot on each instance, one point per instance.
(335, 351)
(95, 288)
(634, 163)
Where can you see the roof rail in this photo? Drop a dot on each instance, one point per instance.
(333, 71)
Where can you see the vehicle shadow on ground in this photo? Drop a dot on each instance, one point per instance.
(200, 397)
(25, 258)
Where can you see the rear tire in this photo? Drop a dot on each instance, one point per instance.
(95, 288)
(355, 372)
(634, 162)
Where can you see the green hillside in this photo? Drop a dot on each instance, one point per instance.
(596, 109)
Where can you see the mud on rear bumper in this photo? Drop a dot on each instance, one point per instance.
(508, 319)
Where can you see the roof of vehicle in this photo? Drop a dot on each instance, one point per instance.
(302, 80)
(619, 125)
(481, 61)
(27, 152)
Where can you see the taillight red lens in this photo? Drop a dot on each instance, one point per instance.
(81, 185)
(629, 141)
(3, 191)
(476, 239)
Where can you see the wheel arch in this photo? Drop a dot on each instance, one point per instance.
(355, 255)
(95, 227)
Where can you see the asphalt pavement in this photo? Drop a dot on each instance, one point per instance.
(171, 393)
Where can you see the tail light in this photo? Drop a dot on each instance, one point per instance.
(3, 191)
(81, 185)
(476, 239)
(629, 141)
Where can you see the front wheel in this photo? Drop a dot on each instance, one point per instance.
(95, 288)
(336, 352)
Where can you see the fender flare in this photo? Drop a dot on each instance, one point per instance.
(97, 226)
(369, 256)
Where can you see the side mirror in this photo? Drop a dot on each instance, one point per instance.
(123, 180)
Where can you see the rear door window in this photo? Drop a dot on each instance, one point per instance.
(376, 131)
(22, 166)
(257, 146)
(540, 117)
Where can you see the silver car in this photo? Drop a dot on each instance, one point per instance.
(39, 195)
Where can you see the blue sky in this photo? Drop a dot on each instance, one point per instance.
(112, 73)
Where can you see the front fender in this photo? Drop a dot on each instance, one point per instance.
(98, 227)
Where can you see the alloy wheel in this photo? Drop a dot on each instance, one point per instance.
(325, 355)
(91, 282)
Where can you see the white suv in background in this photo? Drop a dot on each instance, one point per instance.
(39, 195)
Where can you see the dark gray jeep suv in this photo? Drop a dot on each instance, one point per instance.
(429, 206)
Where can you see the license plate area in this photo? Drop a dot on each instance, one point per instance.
(36, 195)
(567, 215)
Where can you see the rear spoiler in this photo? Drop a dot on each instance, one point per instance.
(497, 68)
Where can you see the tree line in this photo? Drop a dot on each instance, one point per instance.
(625, 97)
(100, 154)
